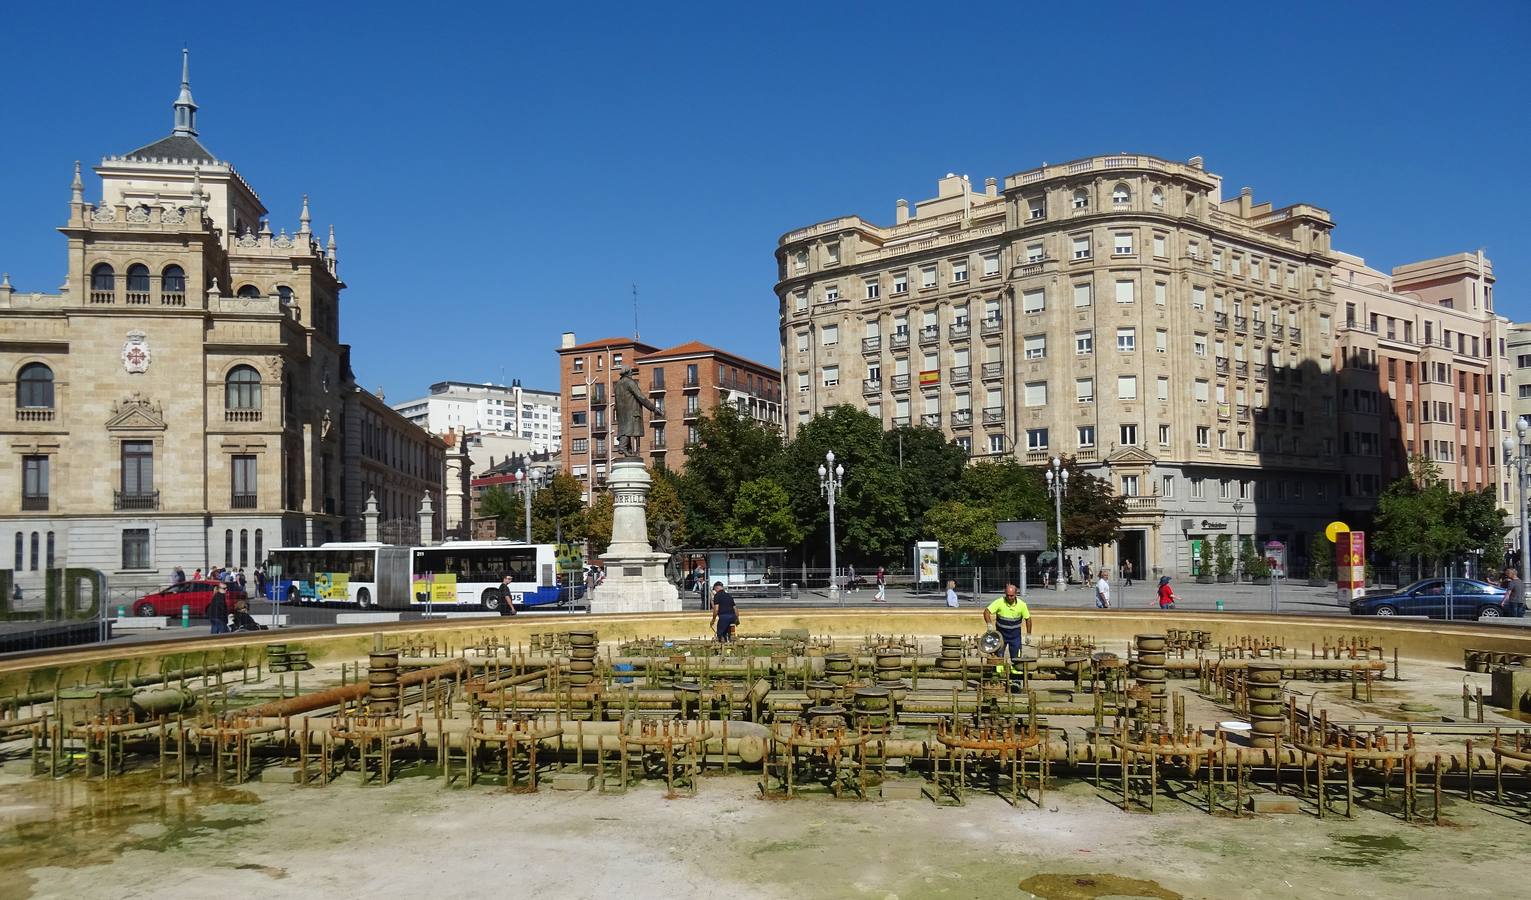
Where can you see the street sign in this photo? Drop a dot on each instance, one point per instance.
(1022, 537)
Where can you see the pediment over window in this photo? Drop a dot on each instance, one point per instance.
(1130, 456)
(136, 414)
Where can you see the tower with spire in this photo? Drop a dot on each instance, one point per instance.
(185, 107)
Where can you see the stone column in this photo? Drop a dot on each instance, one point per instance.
(370, 516)
(635, 574)
(427, 521)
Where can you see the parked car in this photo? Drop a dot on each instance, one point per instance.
(195, 594)
(1469, 599)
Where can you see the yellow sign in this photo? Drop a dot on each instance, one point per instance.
(1334, 531)
(439, 588)
(332, 585)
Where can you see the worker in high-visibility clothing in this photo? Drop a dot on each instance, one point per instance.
(1009, 616)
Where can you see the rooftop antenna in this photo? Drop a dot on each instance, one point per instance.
(635, 312)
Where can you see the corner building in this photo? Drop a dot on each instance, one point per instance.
(1116, 309)
(184, 398)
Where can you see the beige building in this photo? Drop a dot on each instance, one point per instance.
(1518, 341)
(1424, 368)
(184, 398)
(1117, 309)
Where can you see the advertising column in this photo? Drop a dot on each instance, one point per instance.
(1350, 565)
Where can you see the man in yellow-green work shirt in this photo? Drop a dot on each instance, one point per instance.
(1008, 615)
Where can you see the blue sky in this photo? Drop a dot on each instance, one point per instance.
(498, 174)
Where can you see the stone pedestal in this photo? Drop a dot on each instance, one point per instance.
(635, 576)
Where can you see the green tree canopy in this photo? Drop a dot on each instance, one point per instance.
(1421, 516)
(1092, 511)
(964, 529)
(872, 515)
(557, 506)
(598, 523)
(666, 513)
(730, 450)
(504, 507)
(763, 517)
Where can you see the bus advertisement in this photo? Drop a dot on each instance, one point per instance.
(358, 574)
(452, 574)
(469, 573)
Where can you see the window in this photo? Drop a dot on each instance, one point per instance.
(1126, 340)
(831, 293)
(1084, 390)
(1034, 253)
(1036, 439)
(34, 482)
(1164, 435)
(800, 260)
(579, 364)
(1121, 195)
(927, 277)
(1082, 294)
(1126, 292)
(691, 375)
(248, 292)
(1198, 298)
(172, 283)
(1126, 387)
(34, 387)
(900, 282)
(1086, 435)
(800, 301)
(243, 484)
(1203, 436)
(1201, 390)
(965, 444)
(1129, 485)
(830, 335)
(579, 418)
(1123, 245)
(1161, 246)
(831, 377)
(137, 468)
(241, 390)
(1035, 346)
(802, 346)
(871, 289)
(1168, 486)
(959, 271)
(1161, 293)
(1163, 387)
(990, 264)
(1217, 259)
(1197, 489)
(135, 548)
(996, 443)
(579, 445)
(1157, 198)
(1081, 199)
(103, 280)
(138, 283)
(832, 254)
(1084, 342)
(1161, 341)
(1081, 246)
(1036, 208)
(1036, 393)
(1199, 344)
(1224, 489)
(1033, 301)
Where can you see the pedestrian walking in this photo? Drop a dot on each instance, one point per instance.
(178, 576)
(218, 610)
(1084, 571)
(1127, 573)
(882, 585)
(1103, 590)
(1068, 568)
(951, 595)
(1514, 594)
(1166, 595)
(507, 597)
(850, 578)
(725, 613)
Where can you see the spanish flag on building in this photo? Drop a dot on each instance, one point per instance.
(932, 376)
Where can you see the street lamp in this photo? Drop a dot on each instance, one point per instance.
(526, 494)
(831, 479)
(1238, 539)
(1057, 485)
(1519, 460)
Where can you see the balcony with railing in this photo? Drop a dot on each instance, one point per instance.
(931, 420)
(1222, 364)
(992, 325)
(930, 334)
(34, 414)
(135, 500)
(1220, 319)
(242, 501)
(959, 331)
(1240, 324)
(901, 382)
(962, 417)
(1224, 411)
(1276, 332)
(899, 340)
(993, 370)
(1259, 329)
(993, 414)
(1260, 370)
(1294, 334)
(1084, 453)
(961, 374)
(871, 344)
(871, 386)
(241, 415)
(1142, 505)
(1240, 367)
(900, 421)
(172, 298)
(1036, 456)
(1243, 412)
(34, 503)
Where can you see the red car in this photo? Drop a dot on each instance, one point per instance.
(195, 594)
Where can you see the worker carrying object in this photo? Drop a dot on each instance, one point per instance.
(1009, 615)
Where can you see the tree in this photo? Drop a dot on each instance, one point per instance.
(598, 523)
(872, 518)
(730, 450)
(1413, 516)
(666, 514)
(557, 508)
(1009, 489)
(1481, 521)
(1092, 511)
(929, 466)
(1223, 554)
(504, 507)
(763, 517)
(1320, 557)
(964, 529)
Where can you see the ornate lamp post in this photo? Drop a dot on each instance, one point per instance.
(526, 494)
(1238, 539)
(1057, 485)
(831, 480)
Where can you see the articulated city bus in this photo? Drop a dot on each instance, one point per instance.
(453, 574)
(365, 575)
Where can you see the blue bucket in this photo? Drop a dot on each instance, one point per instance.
(623, 667)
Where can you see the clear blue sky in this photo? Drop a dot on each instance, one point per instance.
(500, 174)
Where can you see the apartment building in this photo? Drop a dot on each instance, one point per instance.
(685, 381)
(1424, 368)
(1117, 309)
(1518, 339)
(465, 406)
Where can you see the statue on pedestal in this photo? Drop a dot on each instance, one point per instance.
(628, 400)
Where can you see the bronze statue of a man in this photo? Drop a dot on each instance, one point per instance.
(629, 403)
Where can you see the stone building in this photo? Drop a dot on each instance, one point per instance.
(1424, 368)
(1117, 309)
(684, 381)
(184, 398)
(491, 409)
(1518, 339)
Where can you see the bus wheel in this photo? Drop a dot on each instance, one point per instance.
(364, 598)
(491, 599)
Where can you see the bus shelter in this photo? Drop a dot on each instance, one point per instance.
(744, 571)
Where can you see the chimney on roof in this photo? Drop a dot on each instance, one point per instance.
(568, 340)
(991, 186)
(902, 214)
(1246, 200)
(1197, 162)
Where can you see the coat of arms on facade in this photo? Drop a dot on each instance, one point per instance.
(135, 353)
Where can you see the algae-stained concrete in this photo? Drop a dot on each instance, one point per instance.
(134, 838)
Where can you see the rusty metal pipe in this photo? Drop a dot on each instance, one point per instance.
(304, 703)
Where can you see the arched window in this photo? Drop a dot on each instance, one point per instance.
(228, 548)
(173, 280)
(249, 292)
(1157, 198)
(1081, 199)
(284, 292)
(244, 547)
(103, 283)
(1121, 195)
(34, 387)
(260, 547)
(242, 388)
(138, 283)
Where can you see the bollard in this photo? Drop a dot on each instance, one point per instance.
(1219, 606)
(122, 611)
(794, 590)
(185, 615)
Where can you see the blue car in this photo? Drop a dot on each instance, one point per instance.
(1469, 599)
